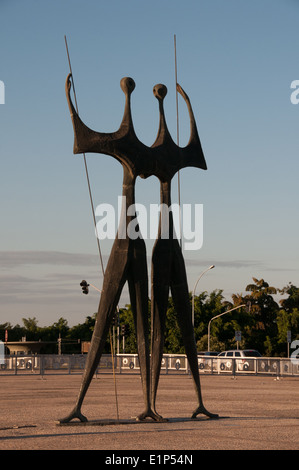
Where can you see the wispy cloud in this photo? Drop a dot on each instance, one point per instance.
(224, 263)
(278, 269)
(14, 259)
(48, 277)
(14, 286)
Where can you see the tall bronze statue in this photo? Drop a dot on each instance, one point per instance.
(127, 260)
(168, 267)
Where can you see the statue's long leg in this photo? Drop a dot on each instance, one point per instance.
(114, 279)
(180, 295)
(138, 288)
(159, 301)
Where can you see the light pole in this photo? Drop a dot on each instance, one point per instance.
(217, 316)
(193, 293)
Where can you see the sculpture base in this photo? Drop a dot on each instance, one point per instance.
(113, 422)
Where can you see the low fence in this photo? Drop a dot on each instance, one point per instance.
(129, 363)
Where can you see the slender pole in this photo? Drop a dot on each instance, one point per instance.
(193, 293)
(220, 315)
(94, 220)
(85, 163)
(113, 369)
(178, 134)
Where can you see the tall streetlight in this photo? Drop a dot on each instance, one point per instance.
(220, 315)
(193, 293)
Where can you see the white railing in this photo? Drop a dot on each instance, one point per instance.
(249, 366)
(128, 363)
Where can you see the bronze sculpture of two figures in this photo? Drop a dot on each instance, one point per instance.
(127, 261)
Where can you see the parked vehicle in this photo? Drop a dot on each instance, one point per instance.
(205, 359)
(208, 353)
(241, 357)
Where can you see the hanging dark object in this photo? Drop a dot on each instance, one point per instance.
(84, 286)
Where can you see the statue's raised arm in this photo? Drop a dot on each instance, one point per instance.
(122, 144)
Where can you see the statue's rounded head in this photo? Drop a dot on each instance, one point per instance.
(127, 85)
(160, 91)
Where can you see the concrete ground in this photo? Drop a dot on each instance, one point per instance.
(256, 413)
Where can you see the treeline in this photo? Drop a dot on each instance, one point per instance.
(263, 327)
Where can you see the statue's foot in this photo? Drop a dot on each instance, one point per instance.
(73, 415)
(201, 410)
(151, 414)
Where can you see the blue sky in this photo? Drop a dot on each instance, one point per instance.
(236, 61)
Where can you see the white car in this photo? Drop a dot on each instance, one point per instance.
(244, 359)
(205, 360)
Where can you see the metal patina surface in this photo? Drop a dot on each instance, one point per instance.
(127, 262)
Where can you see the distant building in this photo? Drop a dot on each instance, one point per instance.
(24, 347)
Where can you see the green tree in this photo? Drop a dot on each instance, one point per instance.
(61, 327)
(126, 318)
(206, 306)
(173, 341)
(292, 301)
(83, 331)
(264, 310)
(215, 344)
(3, 327)
(286, 321)
(222, 330)
(264, 327)
(31, 328)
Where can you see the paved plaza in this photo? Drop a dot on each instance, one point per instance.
(256, 413)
